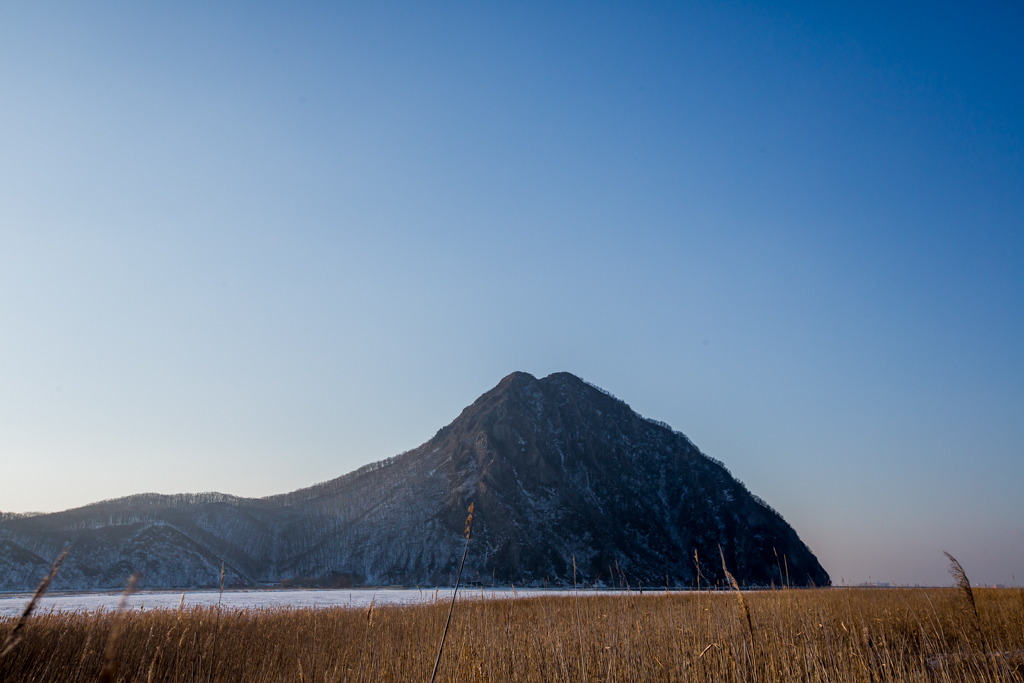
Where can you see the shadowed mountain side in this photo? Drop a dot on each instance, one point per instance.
(557, 468)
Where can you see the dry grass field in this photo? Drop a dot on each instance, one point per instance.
(791, 635)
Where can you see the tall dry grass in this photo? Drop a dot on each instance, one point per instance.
(793, 635)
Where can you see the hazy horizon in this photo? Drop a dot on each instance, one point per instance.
(250, 248)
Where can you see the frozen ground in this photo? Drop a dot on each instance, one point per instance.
(12, 605)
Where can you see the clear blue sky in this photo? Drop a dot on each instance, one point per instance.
(252, 247)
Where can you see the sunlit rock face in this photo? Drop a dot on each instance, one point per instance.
(557, 469)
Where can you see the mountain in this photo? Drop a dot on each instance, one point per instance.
(556, 468)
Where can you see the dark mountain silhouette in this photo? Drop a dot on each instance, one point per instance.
(557, 469)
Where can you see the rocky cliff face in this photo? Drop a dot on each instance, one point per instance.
(556, 468)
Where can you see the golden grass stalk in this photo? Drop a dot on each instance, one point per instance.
(964, 586)
(743, 606)
(216, 629)
(109, 671)
(14, 637)
(739, 593)
(366, 638)
(451, 607)
(579, 623)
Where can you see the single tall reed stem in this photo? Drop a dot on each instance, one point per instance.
(109, 671)
(964, 584)
(579, 625)
(216, 629)
(15, 636)
(739, 593)
(743, 604)
(451, 607)
(696, 563)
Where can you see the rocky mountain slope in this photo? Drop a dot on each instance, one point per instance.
(556, 468)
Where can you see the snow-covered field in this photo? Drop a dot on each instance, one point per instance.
(12, 605)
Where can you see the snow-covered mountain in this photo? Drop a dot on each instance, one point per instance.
(556, 468)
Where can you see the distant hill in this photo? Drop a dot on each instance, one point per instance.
(556, 467)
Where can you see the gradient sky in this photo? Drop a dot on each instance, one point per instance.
(253, 247)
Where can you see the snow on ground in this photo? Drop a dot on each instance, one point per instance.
(12, 605)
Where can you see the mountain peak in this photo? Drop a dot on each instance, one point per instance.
(557, 468)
